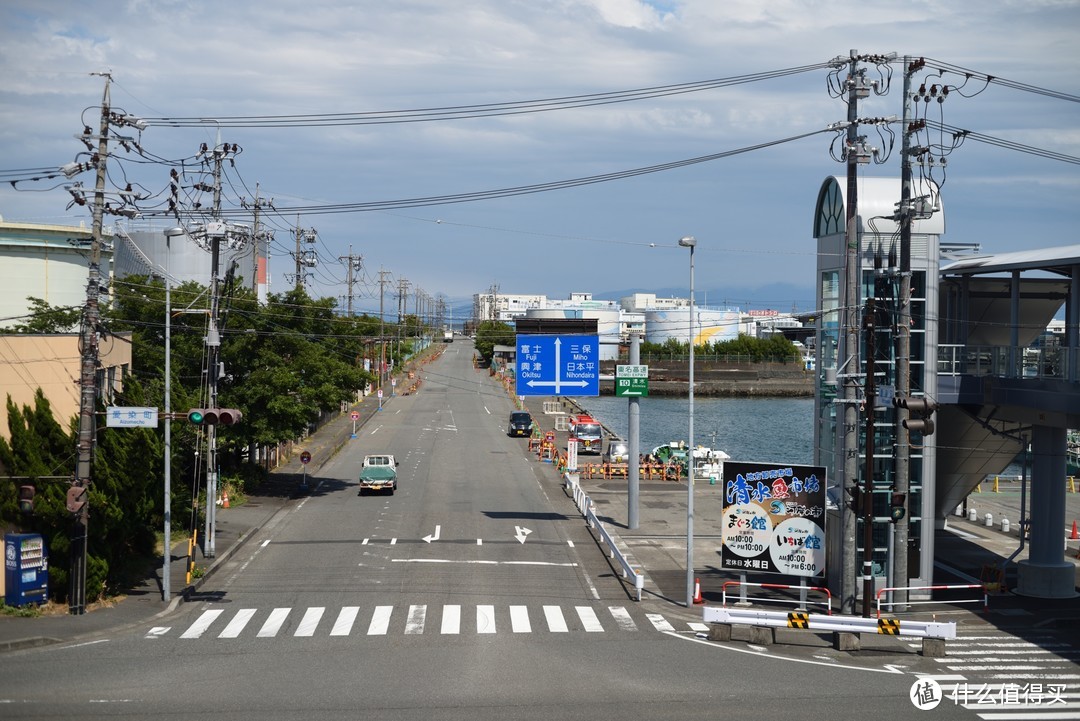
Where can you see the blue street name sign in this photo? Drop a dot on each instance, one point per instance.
(558, 365)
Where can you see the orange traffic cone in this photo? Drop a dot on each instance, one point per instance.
(697, 592)
(225, 499)
(1075, 536)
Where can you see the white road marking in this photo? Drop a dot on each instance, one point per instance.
(519, 619)
(589, 619)
(201, 624)
(238, 623)
(380, 621)
(273, 623)
(659, 622)
(414, 624)
(622, 618)
(484, 563)
(451, 619)
(485, 619)
(265, 543)
(699, 627)
(158, 631)
(569, 543)
(555, 620)
(310, 621)
(345, 620)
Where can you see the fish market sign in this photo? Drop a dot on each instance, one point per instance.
(774, 519)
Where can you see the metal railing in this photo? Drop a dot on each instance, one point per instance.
(1056, 362)
(827, 603)
(984, 599)
(585, 505)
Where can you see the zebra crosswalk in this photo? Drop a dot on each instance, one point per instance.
(414, 620)
(1001, 677)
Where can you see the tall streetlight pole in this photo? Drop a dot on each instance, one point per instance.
(690, 242)
(166, 590)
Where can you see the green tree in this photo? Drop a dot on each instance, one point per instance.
(491, 333)
(46, 318)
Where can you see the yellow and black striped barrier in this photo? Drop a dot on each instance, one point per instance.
(888, 626)
(796, 619)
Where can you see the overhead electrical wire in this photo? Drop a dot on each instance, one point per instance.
(484, 110)
(521, 189)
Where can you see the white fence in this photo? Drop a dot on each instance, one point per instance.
(585, 505)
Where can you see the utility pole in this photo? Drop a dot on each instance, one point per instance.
(902, 483)
(304, 258)
(216, 233)
(382, 324)
(856, 89)
(88, 341)
(353, 264)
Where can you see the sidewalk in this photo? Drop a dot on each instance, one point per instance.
(140, 605)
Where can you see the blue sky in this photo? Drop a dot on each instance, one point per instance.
(751, 213)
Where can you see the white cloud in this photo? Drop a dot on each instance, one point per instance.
(211, 59)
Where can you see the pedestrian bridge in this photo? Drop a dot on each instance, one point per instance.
(1005, 384)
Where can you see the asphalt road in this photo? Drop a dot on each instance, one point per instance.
(475, 592)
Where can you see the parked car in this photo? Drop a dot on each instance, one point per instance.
(520, 424)
(617, 451)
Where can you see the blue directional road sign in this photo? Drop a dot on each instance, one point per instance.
(558, 365)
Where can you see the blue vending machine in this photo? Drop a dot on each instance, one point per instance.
(26, 564)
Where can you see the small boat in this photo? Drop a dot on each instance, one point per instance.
(708, 462)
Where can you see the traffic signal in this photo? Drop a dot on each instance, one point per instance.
(26, 499)
(214, 416)
(897, 511)
(76, 498)
(923, 407)
(854, 499)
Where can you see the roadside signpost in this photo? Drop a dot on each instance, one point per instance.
(631, 380)
(380, 399)
(305, 458)
(355, 416)
(558, 365)
(130, 417)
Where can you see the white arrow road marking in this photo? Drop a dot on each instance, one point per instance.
(521, 533)
(433, 537)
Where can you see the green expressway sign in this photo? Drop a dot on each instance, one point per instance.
(631, 380)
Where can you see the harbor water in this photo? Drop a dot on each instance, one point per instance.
(765, 430)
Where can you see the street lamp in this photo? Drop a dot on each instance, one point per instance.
(166, 591)
(690, 242)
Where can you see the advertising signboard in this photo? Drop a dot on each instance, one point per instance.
(774, 519)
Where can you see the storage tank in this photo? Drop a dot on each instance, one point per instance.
(710, 325)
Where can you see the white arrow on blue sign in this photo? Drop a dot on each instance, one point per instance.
(558, 365)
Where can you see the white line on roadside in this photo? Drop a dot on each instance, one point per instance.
(265, 543)
(477, 562)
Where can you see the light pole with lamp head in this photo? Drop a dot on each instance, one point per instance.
(690, 242)
(166, 590)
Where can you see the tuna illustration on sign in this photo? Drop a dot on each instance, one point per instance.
(774, 518)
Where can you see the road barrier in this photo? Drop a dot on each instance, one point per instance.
(847, 628)
(982, 587)
(585, 505)
(779, 586)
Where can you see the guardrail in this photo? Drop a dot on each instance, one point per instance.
(933, 633)
(585, 505)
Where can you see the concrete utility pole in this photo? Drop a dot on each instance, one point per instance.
(304, 258)
(382, 324)
(216, 233)
(902, 485)
(353, 263)
(88, 340)
(849, 354)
